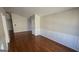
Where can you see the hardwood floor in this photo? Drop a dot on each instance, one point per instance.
(26, 42)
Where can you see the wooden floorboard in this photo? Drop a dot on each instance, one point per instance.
(26, 42)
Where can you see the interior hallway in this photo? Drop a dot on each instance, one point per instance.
(26, 42)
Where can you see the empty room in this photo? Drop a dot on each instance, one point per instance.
(39, 29)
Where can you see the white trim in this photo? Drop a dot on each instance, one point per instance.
(7, 38)
(37, 24)
(21, 31)
(70, 41)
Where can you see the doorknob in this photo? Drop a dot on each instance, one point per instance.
(14, 24)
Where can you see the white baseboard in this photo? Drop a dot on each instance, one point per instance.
(3, 50)
(36, 32)
(3, 45)
(62, 38)
(21, 31)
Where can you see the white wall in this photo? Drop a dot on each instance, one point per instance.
(65, 22)
(9, 24)
(62, 27)
(35, 24)
(22, 23)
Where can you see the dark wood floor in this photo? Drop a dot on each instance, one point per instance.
(26, 42)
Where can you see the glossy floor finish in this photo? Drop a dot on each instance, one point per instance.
(26, 42)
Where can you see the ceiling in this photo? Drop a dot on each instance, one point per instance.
(41, 11)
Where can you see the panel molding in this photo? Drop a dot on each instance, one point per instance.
(68, 40)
